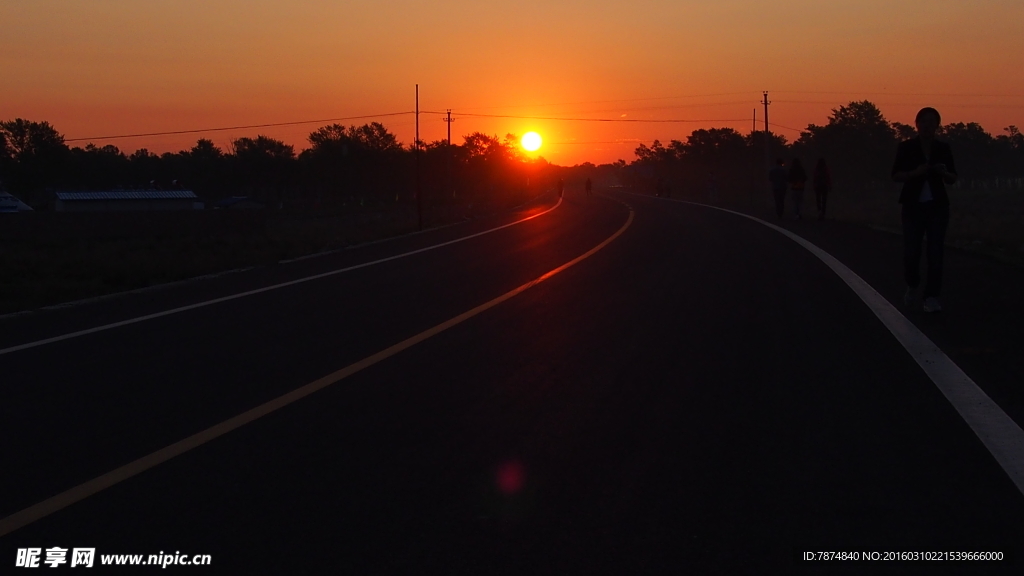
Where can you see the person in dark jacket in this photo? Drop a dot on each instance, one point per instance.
(797, 180)
(822, 186)
(925, 166)
(779, 177)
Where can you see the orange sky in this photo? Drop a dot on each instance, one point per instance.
(128, 66)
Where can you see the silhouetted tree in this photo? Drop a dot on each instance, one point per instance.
(368, 163)
(489, 166)
(857, 141)
(203, 169)
(265, 166)
(1013, 136)
(714, 143)
(145, 168)
(372, 137)
(95, 168)
(6, 161)
(481, 146)
(904, 131)
(34, 154)
(359, 162)
(737, 161)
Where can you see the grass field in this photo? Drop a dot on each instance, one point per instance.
(52, 258)
(987, 221)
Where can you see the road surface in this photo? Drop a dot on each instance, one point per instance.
(700, 394)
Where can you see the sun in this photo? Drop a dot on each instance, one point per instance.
(531, 141)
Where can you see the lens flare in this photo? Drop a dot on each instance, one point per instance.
(510, 477)
(531, 141)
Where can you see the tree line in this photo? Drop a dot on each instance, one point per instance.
(858, 143)
(343, 165)
(367, 164)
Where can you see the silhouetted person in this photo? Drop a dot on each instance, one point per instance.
(712, 187)
(797, 180)
(779, 177)
(561, 187)
(822, 186)
(924, 165)
(588, 186)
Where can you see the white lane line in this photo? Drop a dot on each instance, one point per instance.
(180, 309)
(86, 489)
(997, 431)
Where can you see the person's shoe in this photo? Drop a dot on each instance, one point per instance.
(931, 304)
(909, 297)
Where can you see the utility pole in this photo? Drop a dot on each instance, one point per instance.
(419, 195)
(753, 134)
(767, 134)
(449, 121)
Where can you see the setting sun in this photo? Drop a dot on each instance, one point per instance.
(531, 141)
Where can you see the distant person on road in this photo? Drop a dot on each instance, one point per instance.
(924, 165)
(779, 177)
(797, 180)
(712, 187)
(822, 186)
(588, 186)
(561, 187)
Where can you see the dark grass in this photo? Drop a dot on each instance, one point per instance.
(989, 221)
(53, 258)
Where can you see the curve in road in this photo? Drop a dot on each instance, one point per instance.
(86, 489)
(996, 430)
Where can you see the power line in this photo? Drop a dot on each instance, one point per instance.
(390, 114)
(673, 107)
(609, 101)
(904, 94)
(585, 119)
(604, 142)
(578, 119)
(199, 130)
(709, 95)
(908, 104)
(776, 124)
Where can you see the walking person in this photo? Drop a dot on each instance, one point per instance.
(924, 165)
(779, 178)
(822, 186)
(588, 186)
(561, 187)
(797, 180)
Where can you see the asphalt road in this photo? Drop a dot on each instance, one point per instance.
(702, 395)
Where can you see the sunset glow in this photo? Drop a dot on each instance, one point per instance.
(124, 67)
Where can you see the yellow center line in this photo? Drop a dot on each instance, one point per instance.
(138, 319)
(86, 489)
